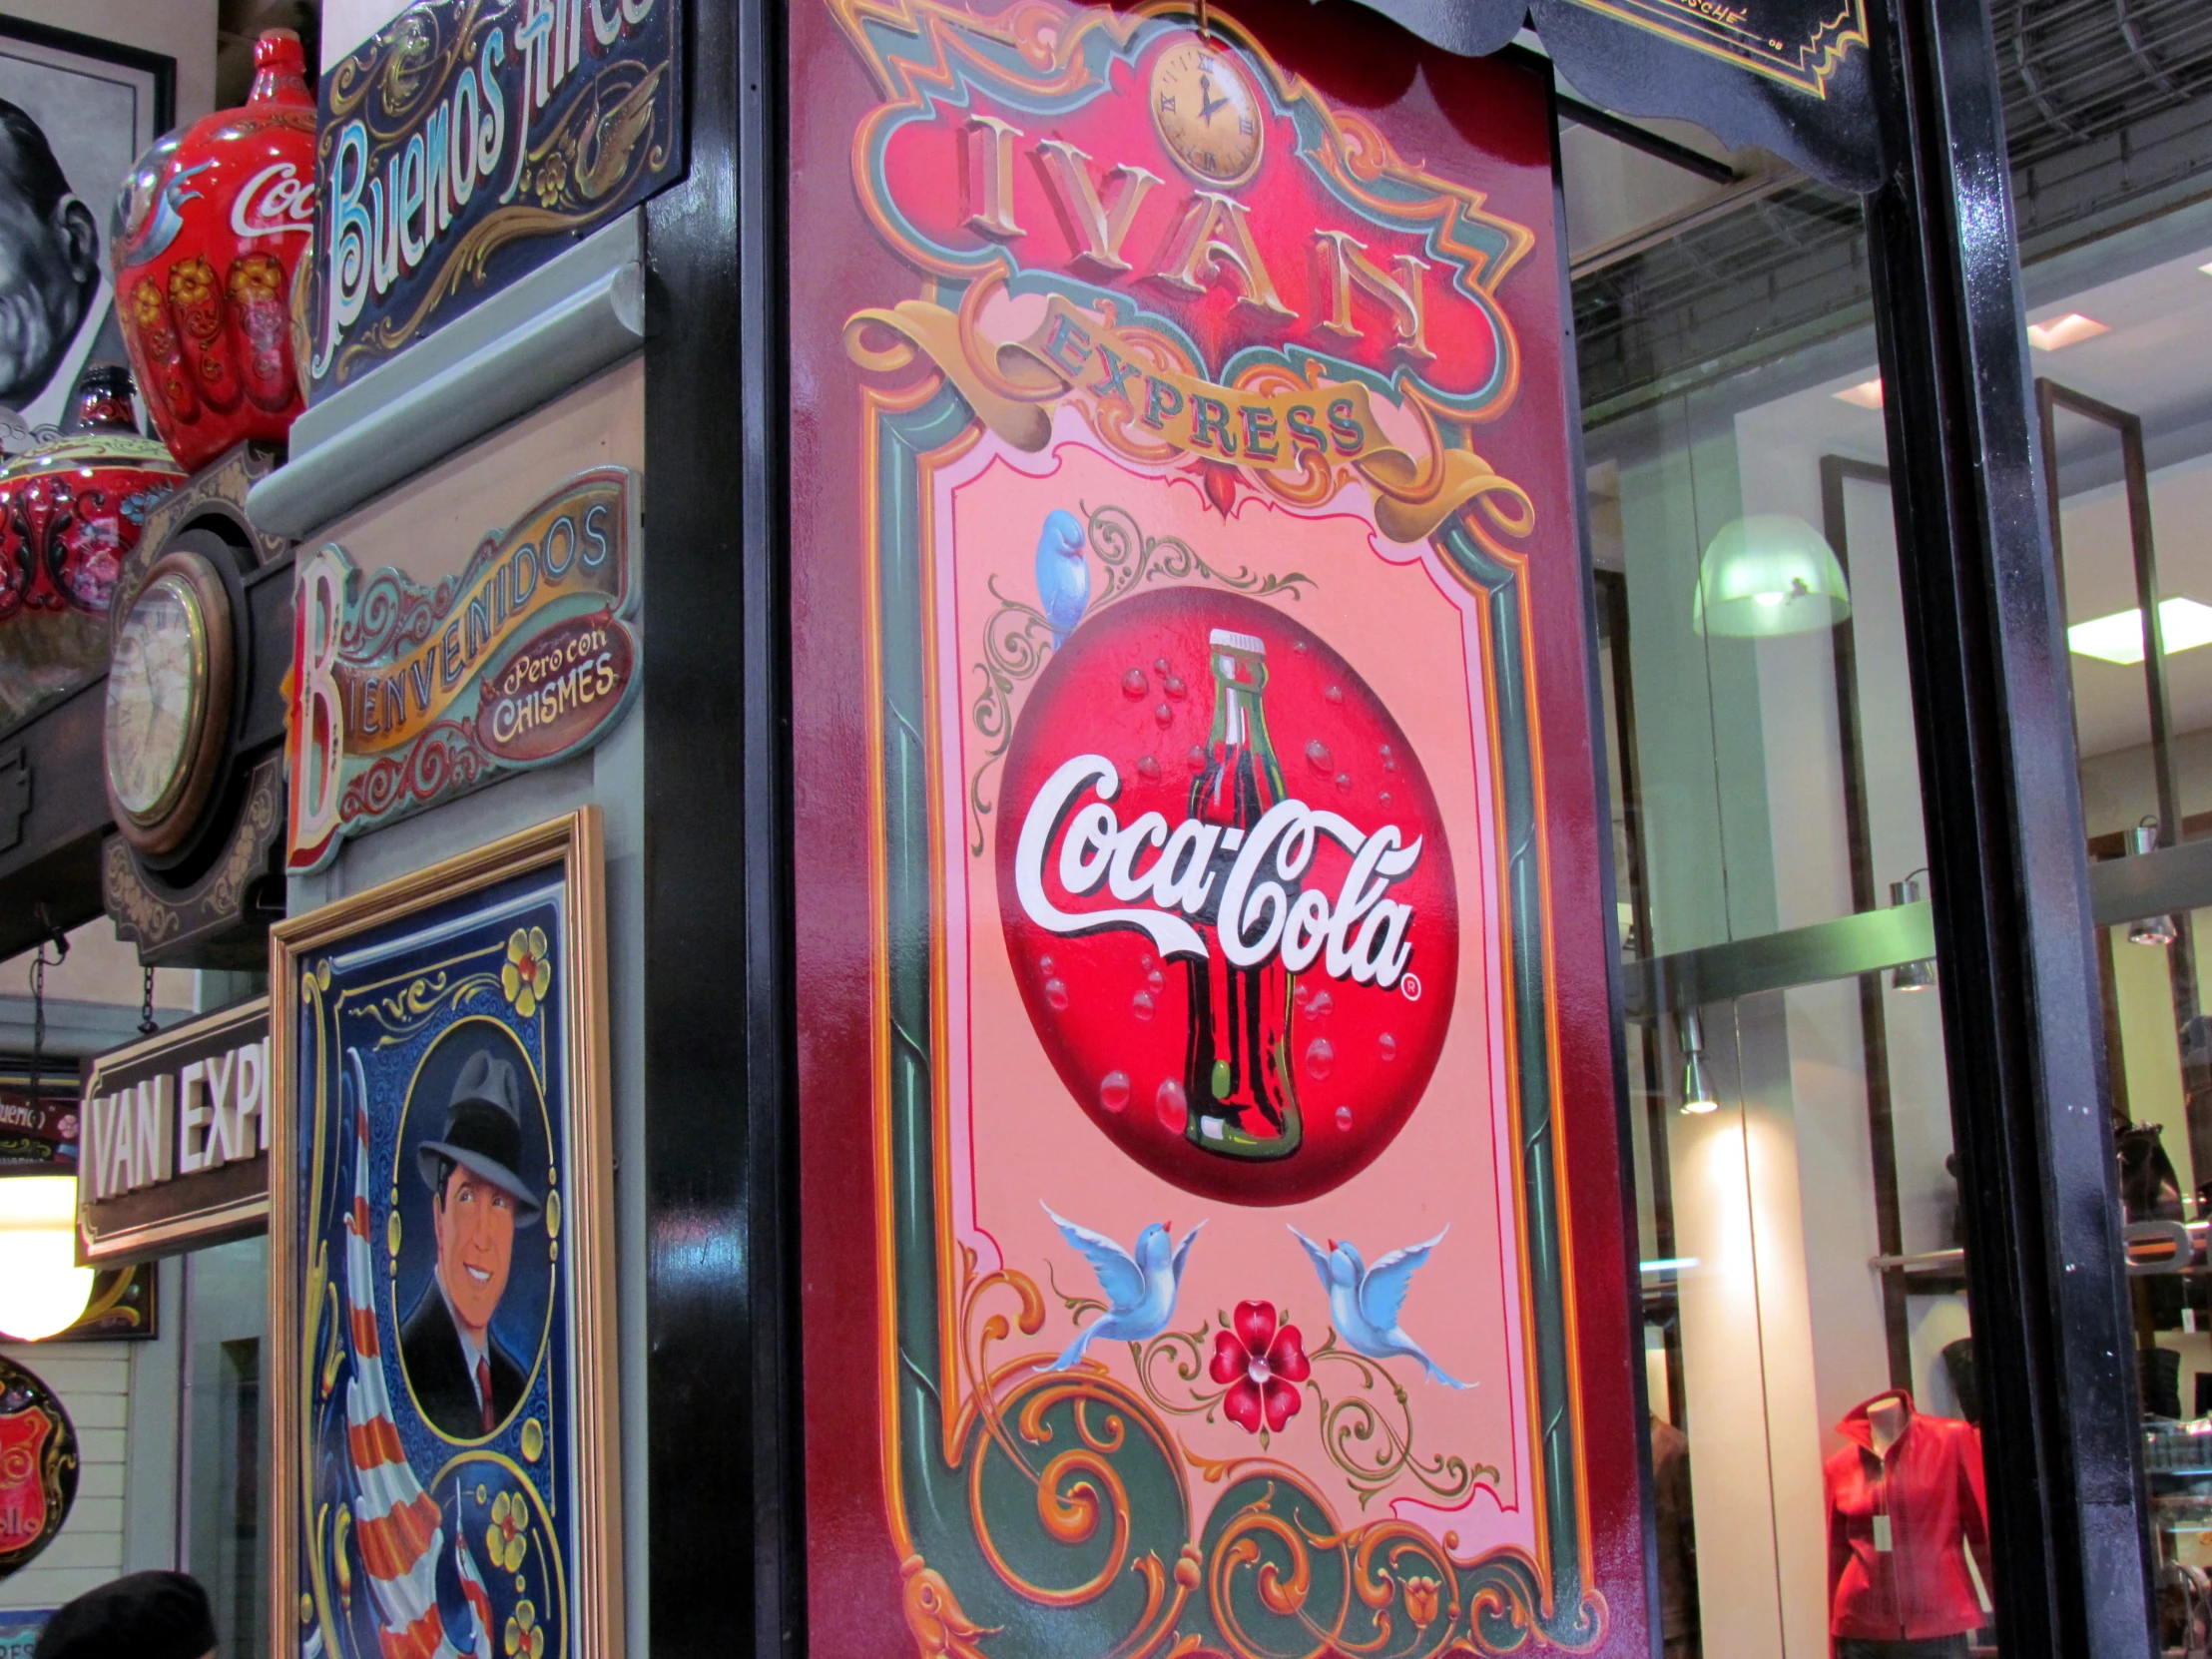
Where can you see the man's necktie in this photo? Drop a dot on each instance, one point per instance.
(483, 1391)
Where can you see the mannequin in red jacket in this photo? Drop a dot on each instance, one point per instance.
(1904, 1504)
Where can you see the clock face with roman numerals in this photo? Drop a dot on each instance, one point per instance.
(156, 696)
(1208, 112)
(169, 705)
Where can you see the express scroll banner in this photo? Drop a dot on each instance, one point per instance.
(1214, 1227)
(1117, 379)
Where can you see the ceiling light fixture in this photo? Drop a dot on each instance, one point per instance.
(1767, 574)
(2062, 331)
(2151, 930)
(42, 1288)
(2118, 638)
(1866, 393)
(1698, 1097)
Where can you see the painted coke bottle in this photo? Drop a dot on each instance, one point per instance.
(1242, 1099)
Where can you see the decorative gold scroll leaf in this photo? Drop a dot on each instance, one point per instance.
(1026, 424)
(1465, 479)
(941, 1628)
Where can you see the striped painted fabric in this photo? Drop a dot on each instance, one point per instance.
(431, 1600)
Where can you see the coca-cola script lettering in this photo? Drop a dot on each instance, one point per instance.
(1227, 895)
(1257, 876)
(276, 201)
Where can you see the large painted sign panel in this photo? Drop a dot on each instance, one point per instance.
(466, 143)
(405, 695)
(1219, 1249)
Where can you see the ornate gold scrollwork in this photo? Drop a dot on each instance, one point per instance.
(941, 1628)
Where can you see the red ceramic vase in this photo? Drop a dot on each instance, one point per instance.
(212, 224)
(70, 513)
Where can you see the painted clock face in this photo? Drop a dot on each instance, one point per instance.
(155, 689)
(1208, 112)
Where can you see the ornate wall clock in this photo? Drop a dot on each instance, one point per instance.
(195, 720)
(169, 698)
(1207, 113)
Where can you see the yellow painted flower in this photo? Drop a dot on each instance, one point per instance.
(528, 972)
(525, 1636)
(504, 1539)
(1420, 1600)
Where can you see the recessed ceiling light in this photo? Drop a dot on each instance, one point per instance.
(2062, 331)
(1866, 393)
(2118, 638)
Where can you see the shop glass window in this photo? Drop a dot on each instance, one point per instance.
(226, 1428)
(1809, 1337)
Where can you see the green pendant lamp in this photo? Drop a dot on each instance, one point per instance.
(1768, 574)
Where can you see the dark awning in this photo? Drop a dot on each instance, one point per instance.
(1785, 76)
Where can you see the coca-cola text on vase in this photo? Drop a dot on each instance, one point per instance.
(1308, 908)
(212, 226)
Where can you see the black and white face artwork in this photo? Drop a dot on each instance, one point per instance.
(71, 124)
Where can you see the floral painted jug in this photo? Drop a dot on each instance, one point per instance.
(210, 227)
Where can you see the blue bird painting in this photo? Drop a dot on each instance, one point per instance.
(1063, 577)
(1364, 1303)
(164, 222)
(1140, 1289)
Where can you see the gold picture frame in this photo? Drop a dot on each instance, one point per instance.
(554, 1568)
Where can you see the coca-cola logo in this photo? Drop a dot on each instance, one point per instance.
(1227, 895)
(276, 201)
(1242, 880)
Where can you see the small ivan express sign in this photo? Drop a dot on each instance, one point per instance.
(175, 1140)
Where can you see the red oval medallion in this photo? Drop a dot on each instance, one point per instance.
(1227, 894)
(553, 692)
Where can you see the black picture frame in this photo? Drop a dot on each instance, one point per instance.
(160, 65)
(74, 90)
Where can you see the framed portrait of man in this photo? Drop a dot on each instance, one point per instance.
(75, 112)
(442, 1261)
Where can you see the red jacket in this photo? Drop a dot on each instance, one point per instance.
(1928, 1491)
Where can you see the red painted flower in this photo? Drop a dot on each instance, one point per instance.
(1261, 1364)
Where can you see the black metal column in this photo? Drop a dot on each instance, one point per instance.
(722, 1369)
(2009, 877)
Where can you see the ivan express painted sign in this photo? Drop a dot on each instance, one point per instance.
(1197, 838)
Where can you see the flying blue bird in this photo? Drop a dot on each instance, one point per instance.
(1063, 578)
(1140, 1289)
(1364, 1303)
(163, 216)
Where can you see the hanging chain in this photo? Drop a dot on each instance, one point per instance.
(39, 964)
(38, 1024)
(148, 1025)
